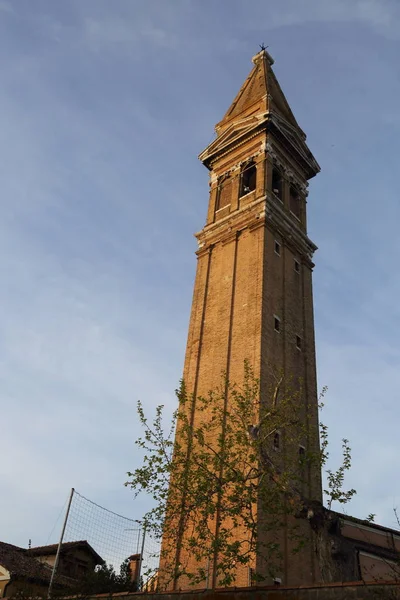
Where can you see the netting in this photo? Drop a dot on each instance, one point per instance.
(113, 536)
(151, 557)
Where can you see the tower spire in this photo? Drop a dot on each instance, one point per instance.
(261, 103)
(252, 299)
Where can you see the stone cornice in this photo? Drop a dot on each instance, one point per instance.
(237, 166)
(291, 233)
(295, 146)
(218, 146)
(236, 221)
(264, 122)
(264, 211)
(240, 142)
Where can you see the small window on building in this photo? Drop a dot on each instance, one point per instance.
(277, 324)
(248, 178)
(295, 202)
(296, 266)
(302, 454)
(277, 441)
(277, 185)
(298, 342)
(277, 248)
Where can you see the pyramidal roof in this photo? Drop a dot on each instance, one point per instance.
(260, 103)
(260, 92)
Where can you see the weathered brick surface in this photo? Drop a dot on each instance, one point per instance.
(242, 284)
(340, 591)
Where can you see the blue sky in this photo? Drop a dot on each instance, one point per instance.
(105, 107)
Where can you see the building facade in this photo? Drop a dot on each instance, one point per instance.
(27, 572)
(252, 297)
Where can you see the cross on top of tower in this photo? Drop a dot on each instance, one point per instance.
(251, 300)
(263, 54)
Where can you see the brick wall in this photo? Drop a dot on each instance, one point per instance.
(340, 591)
(241, 285)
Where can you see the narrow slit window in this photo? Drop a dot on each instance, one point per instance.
(277, 183)
(277, 441)
(277, 248)
(248, 178)
(296, 266)
(298, 342)
(302, 454)
(295, 202)
(277, 324)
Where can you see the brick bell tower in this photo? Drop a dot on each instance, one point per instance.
(253, 291)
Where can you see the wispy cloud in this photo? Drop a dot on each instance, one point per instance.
(105, 111)
(383, 16)
(76, 348)
(114, 31)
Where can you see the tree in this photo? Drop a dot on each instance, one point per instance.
(105, 580)
(239, 454)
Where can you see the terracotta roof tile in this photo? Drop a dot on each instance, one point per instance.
(18, 562)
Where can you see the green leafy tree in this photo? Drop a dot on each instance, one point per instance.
(210, 480)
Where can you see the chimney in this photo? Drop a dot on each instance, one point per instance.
(134, 565)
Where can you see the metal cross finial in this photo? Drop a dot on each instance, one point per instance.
(263, 47)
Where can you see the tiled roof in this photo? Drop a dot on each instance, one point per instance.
(52, 549)
(18, 562)
(366, 523)
(260, 86)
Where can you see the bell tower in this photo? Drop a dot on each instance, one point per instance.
(252, 297)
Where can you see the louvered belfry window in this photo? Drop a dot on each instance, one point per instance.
(248, 178)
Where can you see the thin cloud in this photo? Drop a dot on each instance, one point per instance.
(118, 31)
(100, 192)
(383, 16)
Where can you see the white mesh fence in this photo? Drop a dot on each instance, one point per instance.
(114, 537)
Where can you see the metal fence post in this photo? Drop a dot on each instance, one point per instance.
(53, 574)
(141, 559)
